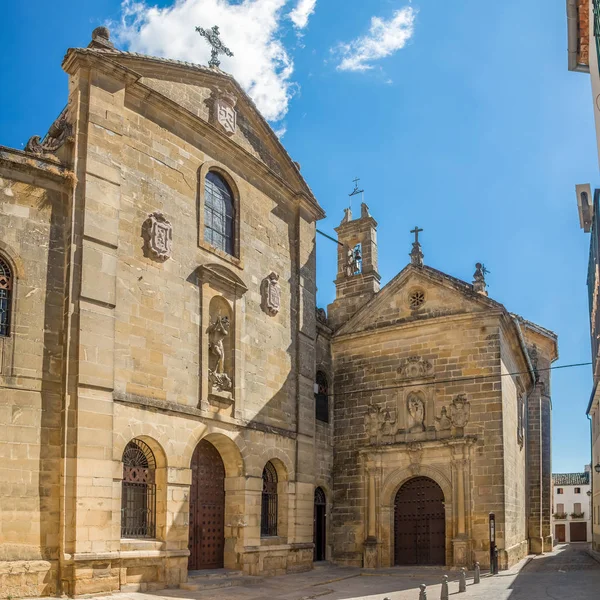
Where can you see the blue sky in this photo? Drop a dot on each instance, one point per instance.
(471, 127)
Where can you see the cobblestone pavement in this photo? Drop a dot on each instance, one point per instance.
(568, 572)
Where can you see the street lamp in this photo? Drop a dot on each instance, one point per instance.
(597, 468)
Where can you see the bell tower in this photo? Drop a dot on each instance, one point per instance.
(357, 276)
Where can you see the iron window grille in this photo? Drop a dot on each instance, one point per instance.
(219, 213)
(320, 499)
(138, 499)
(322, 398)
(268, 521)
(6, 283)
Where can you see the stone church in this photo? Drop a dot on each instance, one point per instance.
(173, 400)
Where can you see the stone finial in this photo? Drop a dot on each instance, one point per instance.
(479, 284)
(477, 576)
(416, 254)
(462, 580)
(101, 38)
(364, 211)
(444, 594)
(423, 592)
(347, 216)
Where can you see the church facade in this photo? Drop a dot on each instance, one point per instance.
(173, 401)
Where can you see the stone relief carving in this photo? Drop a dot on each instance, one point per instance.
(443, 423)
(380, 425)
(416, 412)
(225, 113)
(415, 367)
(60, 131)
(217, 332)
(158, 236)
(415, 454)
(321, 316)
(460, 411)
(271, 294)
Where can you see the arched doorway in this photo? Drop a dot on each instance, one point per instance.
(419, 523)
(320, 526)
(207, 508)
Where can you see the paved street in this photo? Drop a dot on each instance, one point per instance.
(569, 572)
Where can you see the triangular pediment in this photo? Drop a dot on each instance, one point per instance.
(418, 293)
(199, 90)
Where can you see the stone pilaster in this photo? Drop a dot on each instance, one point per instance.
(534, 469)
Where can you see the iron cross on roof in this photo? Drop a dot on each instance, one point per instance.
(217, 46)
(416, 231)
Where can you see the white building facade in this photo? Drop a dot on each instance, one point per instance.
(572, 517)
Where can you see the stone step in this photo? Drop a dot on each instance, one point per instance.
(200, 583)
(213, 574)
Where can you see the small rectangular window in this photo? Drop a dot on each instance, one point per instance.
(578, 490)
(577, 508)
(559, 490)
(560, 508)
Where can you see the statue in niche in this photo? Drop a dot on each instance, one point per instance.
(416, 413)
(387, 427)
(271, 294)
(460, 411)
(443, 423)
(217, 332)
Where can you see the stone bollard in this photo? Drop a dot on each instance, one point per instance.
(423, 592)
(462, 580)
(477, 575)
(444, 594)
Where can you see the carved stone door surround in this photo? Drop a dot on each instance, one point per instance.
(216, 281)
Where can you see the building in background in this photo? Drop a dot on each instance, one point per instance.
(583, 26)
(572, 520)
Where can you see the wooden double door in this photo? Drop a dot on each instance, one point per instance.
(419, 523)
(207, 508)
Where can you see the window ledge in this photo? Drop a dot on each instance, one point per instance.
(141, 544)
(274, 540)
(234, 260)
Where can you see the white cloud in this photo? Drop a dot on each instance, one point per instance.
(250, 28)
(384, 38)
(300, 15)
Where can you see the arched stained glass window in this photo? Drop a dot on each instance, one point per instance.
(6, 285)
(321, 397)
(138, 499)
(268, 520)
(219, 213)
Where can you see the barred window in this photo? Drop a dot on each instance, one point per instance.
(219, 213)
(138, 500)
(6, 284)
(268, 521)
(321, 397)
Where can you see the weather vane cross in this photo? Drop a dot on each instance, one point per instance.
(416, 231)
(217, 46)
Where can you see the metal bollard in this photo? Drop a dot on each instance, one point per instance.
(444, 594)
(462, 580)
(423, 592)
(477, 573)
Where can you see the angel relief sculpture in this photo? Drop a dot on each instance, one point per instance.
(217, 333)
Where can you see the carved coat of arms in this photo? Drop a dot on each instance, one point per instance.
(460, 411)
(225, 113)
(271, 294)
(158, 237)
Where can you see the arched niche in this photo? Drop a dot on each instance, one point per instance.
(222, 321)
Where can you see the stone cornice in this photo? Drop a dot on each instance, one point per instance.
(23, 166)
(467, 440)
